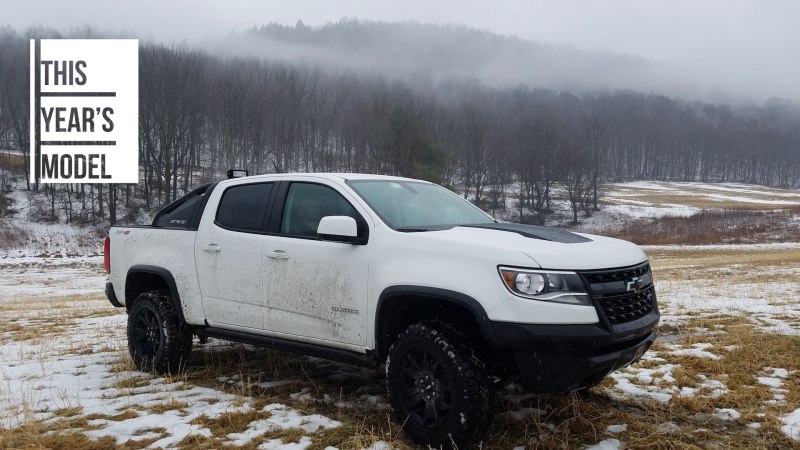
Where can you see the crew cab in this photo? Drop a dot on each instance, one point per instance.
(373, 270)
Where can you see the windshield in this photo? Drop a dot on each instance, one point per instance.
(417, 206)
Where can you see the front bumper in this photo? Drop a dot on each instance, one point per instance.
(563, 358)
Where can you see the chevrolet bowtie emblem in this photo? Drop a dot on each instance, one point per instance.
(634, 285)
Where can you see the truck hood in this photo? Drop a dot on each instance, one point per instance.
(549, 248)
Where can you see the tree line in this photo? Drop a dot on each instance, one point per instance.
(512, 149)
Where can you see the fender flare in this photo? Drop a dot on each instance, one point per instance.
(166, 275)
(447, 295)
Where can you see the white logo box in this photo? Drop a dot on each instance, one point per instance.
(68, 150)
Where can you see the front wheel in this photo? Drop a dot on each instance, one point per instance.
(157, 338)
(437, 387)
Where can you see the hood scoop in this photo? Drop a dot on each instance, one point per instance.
(551, 234)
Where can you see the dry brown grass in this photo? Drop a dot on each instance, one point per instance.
(60, 435)
(703, 197)
(12, 236)
(727, 226)
(566, 422)
(725, 266)
(570, 421)
(14, 162)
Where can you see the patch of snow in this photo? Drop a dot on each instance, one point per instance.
(302, 396)
(379, 445)
(658, 384)
(732, 198)
(727, 414)
(775, 383)
(47, 277)
(714, 388)
(616, 429)
(277, 444)
(649, 185)
(281, 417)
(791, 424)
(608, 444)
(698, 350)
(653, 390)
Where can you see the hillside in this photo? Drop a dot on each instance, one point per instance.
(420, 52)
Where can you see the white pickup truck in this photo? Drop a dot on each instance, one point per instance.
(374, 269)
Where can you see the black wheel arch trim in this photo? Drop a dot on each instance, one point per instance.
(447, 295)
(166, 275)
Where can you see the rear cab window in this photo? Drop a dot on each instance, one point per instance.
(244, 207)
(184, 213)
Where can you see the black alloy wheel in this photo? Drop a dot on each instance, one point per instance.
(427, 393)
(438, 387)
(147, 334)
(158, 340)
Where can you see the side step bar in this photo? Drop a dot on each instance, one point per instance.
(302, 348)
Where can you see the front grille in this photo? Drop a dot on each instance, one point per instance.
(626, 307)
(623, 294)
(612, 276)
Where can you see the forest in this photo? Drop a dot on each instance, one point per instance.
(510, 148)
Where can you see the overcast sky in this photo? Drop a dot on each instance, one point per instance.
(748, 45)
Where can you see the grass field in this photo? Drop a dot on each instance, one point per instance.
(724, 373)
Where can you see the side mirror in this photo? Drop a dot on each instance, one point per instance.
(338, 228)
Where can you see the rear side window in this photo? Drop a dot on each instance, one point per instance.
(243, 208)
(183, 212)
(307, 204)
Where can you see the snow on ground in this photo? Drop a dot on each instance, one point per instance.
(54, 276)
(281, 417)
(767, 305)
(50, 238)
(774, 378)
(80, 369)
(607, 444)
(791, 424)
(654, 199)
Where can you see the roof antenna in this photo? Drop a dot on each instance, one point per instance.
(275, 165)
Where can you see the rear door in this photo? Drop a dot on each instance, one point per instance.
(228, 255)
(316, 290)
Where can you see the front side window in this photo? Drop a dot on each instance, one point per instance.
(244, 207)
(417, 206)
(307, 204)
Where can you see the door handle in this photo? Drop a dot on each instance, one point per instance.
(278, 254)
(212, 248)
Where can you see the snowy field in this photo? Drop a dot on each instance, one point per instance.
(725, 372)
(652, 198)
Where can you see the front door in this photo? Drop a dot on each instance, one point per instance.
(315, 288)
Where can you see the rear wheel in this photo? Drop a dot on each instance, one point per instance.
(437, 387)
(157, 339)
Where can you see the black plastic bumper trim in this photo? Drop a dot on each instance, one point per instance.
(563, 358)
(112, 297)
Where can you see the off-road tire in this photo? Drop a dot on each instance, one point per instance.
(463, 396)
(157, 338)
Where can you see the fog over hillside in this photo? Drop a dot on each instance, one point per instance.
(433, 53)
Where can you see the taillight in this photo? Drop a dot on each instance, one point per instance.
(107, 254)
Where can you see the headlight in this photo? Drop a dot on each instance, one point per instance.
(547, 285)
